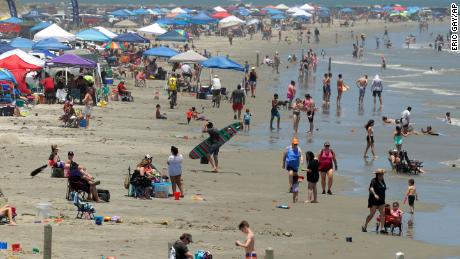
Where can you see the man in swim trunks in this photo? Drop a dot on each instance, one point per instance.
(405, 119)
(275, 112)
(250, 240)
(238, 100)
(377, 89)
(361, 83)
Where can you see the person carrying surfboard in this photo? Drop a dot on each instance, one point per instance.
(214, 147)
(341, 87)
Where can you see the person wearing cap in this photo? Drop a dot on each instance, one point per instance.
(180, 250)
(376, 200)
(292, 158)
(252, 80)
(326, 158)
(55, 162)
(215, 89)
(213, 155)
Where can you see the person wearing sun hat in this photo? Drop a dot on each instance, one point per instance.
(376, 199)
(292, 158)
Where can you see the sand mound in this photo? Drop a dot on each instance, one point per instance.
(9, 139)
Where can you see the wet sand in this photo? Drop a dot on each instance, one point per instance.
(249, 186)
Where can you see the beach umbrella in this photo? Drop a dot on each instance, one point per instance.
(178, 10)
(282, 7)
(219, 9)
(307, 7)
(387, 8)
(50, 44)
(244, 12)
(161, 52)
(346, 10)
(22, 43)
(5, 75)
(399, 8)
(113, 45)
(221, 62)
(5, 47)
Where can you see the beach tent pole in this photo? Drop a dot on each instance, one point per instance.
(329, 66)
(48, 237)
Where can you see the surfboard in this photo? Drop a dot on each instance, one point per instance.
(225, 134)
(345, 88)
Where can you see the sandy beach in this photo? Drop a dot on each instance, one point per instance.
(249, 187)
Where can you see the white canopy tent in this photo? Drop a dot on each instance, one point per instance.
(230, 21)
(188, 57)
(253, 21)
(307, 7)
(153, 29)
(219, 9)
(54, 31)
(293, 9)
(301, 13)
(178, 10)
(282, 7)
(106, 32)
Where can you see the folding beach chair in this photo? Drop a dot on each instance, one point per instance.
(84, 209)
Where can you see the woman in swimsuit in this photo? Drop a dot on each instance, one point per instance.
(369, 138)
(296, 108)
(309, 107)
(398, 137)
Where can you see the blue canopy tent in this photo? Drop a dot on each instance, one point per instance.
(40, 26)
(120, 13)
(161, 52)
(5, 75)
(346, 10)
(171, 22)
(244, 12)
(131, 37)
(4, 47)
(271, 11)
(387, 8)
(13, 20)
(45, 52)
(92, 35)
(377, 10)
(202, 18)
(278, 17)
(22, 43)
(140, 11)
(172, 36)
(413, 10)
(50, 44)
(183, 16)
(34, 14)
(221, 62)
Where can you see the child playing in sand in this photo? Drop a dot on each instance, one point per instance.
(158, 114)
(411, 195)
(249, 244)
(189, 116)
(295, 188)
(247, 120)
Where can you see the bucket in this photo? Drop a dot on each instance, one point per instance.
(16, 247)
(99, 220)
(177, 196)
(43, 211)
(83, 123)
(3, 245)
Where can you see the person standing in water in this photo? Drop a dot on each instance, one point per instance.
(398, 135)
(249, 244)
(296, 108)
(361, 83)
(326, 159)
(377, 89)
(291, 91)
(326, 88)
(340, 88)
(309, 107)
(369, 138)
(275, 112)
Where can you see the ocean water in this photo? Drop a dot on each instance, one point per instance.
(331, 3)
(408, 81)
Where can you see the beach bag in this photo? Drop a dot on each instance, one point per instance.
(103, 195)
(172, 253)
(201, 254)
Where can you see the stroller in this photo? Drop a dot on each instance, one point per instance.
(391, 221)
(85, 209)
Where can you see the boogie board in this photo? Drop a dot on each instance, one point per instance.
(225, 134)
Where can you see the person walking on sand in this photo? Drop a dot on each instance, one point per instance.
(326, 159)
(252, 80)
(312, 177)
(376, 200)
(361, 83)
(411, 195)
(309, 107)
(249, 244)
(275, 112)
(341, 87)
(292, 159)
(296, 109)
(377, 89)
(214, 147)
(175, 170)
(369, 138)
(238, 100)
(291, 91)
(88, 101)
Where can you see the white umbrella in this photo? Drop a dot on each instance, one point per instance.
(188, 57)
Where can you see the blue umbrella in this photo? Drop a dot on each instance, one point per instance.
(21, 43)
(172, 36)
(271, 11)
(50, 44)
(40, 26)
(387, 8)
(13, 20)
(4, 47)
(222, 63)
(131, 37)
(92, 35)
(5, 75)
(161, 52)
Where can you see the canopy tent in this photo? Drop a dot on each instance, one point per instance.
(47, 53)
(178, 10)
(5, 47)
(171, 22)
(13, 20)
(188, 57)
(72, 60)
(230, 21)
(5, 75)
(141, 11)
(219, 9)
(182, 16)
(302, 13)
(19, 63)
(222, 63)
(126, 24)
(154, 29)
(201, 18)
(307, 7)
(346, 10)
(273, 11)
(22, 43)
(243, 12)
(387, 8)
(106, 32)
(172, 36)
(253, 21)
(50, 44)
(220, 15)
(92, 35)
(282, 7)
(278, 17)
(161, 52)
(122, 13)
(413, 10)
(155, 11)
(54, 31)
(40, 26)
(293, 10)
(131, 37)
